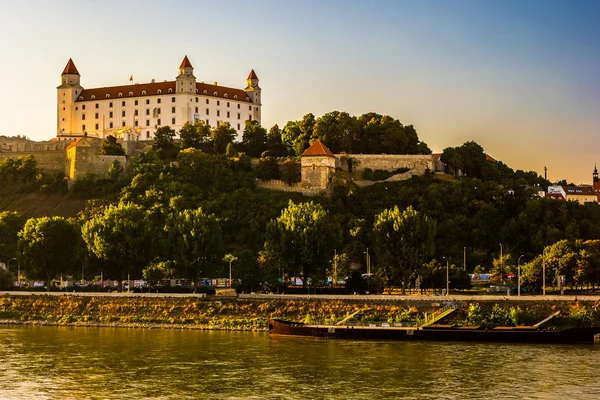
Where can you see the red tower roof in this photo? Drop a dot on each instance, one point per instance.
(70, 69)
(252, 75)
(186, 63)
(318, 149)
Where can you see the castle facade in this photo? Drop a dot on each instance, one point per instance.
(133, 112)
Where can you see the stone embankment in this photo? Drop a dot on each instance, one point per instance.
(250, 312)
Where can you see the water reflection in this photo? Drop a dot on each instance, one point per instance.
(93, 363)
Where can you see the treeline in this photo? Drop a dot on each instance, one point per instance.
(182, 218)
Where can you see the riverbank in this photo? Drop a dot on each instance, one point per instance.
(251, 312)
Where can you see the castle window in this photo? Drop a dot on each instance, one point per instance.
(111, 125)
(110, 104)
(96, 115)
(196, 110)
(123, 124)
(123, 104)
(238, 106)
(196, 99)
(218, 123)
(147, 135)
(94, 98)
(97, 105)
(206, 122)
(218, 103)
(148, 111)
(235, 96)
(247, 98)
(83, 117)
(158, 110)
(76, 108)
(158, 122)
(205, 92)
(207, 113)
(96, 126)
(225, 95)
(249, 117)
(83, 107)
(123, 113)
(250, 108)
(227, 104)
(110, 114)
(135, 103)
(218, 113)
(173, 110)
(147, 101)
(131, 93)
(227, 114)
(159, 92)
(158, 101)
(256, 109)
(207, 101)
(170, 90)
(120, 94)
(80, 97)
(143, 92)
(147, 122)
(82, 128)
(108, 96)
(239, 116)
(136, 122)
(215, 94)
(172, 99)
(238, 127)
(135, 112)
(173, 121)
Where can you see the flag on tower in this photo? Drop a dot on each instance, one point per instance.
(131, 78)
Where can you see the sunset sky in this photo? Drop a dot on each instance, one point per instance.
(521, 78)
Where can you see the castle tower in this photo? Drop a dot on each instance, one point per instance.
(318, 165)
(68, 91)
(595, 180)
(253, 91)
(186, 81)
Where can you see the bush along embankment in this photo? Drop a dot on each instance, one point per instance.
(252, 315)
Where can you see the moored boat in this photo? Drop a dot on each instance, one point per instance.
(436, 332)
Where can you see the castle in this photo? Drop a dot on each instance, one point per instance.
(133, 112)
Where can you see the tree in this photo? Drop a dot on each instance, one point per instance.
(221, 136)
(110, 147)
(155, 272)
(10, 224)
(48, 246)
(163, 137)
(194, 241)
(122, 236)
(302, 241)
(194, 135)
(290, 171)
(254, 139)
(337, 130)
(115, 170)
(274, 142)
(231, 150)
(267, 169)
(403, 242)
(229, 258)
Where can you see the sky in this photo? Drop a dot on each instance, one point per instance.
(521, 78)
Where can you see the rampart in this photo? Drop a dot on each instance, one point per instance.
(388, 162)
(284, 187)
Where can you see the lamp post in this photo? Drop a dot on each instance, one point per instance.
(465, 258)
(368, 263)
(544, 272)
(519, 274)
(230, 258)
(447, 277)
(18, 272)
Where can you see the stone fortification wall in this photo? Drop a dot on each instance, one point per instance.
(51, 161)
(97, 165)
(388, 162)
(284, 187)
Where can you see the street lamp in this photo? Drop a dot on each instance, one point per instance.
(447, 277)
(519, 275)
(368, 263)
(544, 272)
(18, 270)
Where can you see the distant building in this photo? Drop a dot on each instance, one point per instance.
(580, 194)
(318, 165)
(134, 111)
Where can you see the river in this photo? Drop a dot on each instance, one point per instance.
(38, 362)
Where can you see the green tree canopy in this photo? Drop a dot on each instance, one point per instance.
(302, 241)
(254, 139)
(10, 224)
(163, 137)
(48, 246)
(111, 147)
(194, 135)
(222, 135)
(403, 242)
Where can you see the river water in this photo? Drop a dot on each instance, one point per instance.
(115, 363)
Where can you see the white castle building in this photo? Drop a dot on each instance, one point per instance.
(135, 111)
